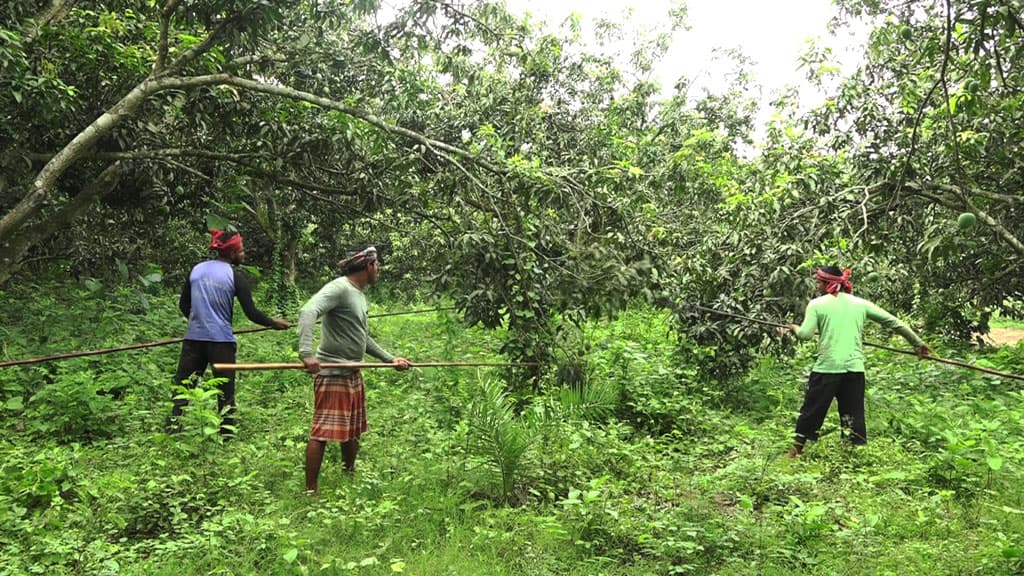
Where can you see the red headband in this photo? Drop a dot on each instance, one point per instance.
(221, 244)
(835, 283)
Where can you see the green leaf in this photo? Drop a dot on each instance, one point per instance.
(15, 404)
(994, 462)
(216, 222)
(290, 555)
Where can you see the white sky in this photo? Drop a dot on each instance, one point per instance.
(771, 32)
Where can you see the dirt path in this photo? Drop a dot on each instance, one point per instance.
(1005, 336)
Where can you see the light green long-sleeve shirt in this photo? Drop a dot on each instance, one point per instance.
(344, 336)
(839, 322)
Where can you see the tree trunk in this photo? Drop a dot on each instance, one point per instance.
(42, 187)
(14, 250)
(289, 259)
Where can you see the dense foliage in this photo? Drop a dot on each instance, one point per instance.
(523, 171)
(574, 213)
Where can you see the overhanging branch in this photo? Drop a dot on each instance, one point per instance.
(293, 94)
(161, 153)
(81, 145)
(243, 159)
(964, 203)
(959, 190)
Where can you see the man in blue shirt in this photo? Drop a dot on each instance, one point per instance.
(207, 300)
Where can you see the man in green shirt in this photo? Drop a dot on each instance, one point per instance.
(339, 398)
(838, 317)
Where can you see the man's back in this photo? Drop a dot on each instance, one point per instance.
(212, 289)
(839, 322)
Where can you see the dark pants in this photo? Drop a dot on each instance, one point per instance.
(848, 390)
(196, 355)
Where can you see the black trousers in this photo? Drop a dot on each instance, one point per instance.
(196, 355)
(848, 390)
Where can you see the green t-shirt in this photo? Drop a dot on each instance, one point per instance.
(839, 322)
(344, 336)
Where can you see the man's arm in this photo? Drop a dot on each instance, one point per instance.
(893, 323)
(374, 349)
(244, 294)
(327, 298)
(185, 300)
(806, 330)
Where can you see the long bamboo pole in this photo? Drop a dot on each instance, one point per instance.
(42, 359)
(950, 362)
(360, 365)
(872, 344)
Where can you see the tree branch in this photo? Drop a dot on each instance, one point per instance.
(160, 154)
(960, 191)
(293, 94)
(243, 159)
(199, 49)
(57, 10)
(985, 217)
(936, 198)
(188, 169)
(999, 229)
(42, 186)
(349, 209)
(165, 24)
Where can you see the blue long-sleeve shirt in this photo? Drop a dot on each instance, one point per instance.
(207, 300)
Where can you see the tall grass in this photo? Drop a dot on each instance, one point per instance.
(638, 468)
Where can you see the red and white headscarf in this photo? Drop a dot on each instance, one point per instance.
(358, 261)
(224, 241)
(835, 284)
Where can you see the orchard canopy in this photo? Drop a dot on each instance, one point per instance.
(527, 170)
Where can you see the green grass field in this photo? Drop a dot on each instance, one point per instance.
(647, 471)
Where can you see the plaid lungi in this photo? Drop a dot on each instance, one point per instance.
(339, 413)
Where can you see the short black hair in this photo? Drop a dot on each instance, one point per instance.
(353, 268)
(833, 270)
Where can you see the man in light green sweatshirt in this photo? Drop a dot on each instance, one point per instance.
(339, 413)
(838, 317)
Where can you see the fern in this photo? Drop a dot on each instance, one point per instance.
(495, 434)
(594, 401)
